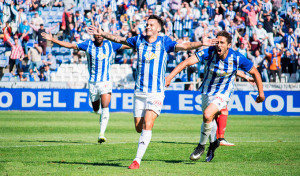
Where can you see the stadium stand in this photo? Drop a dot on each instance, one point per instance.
(74, 20)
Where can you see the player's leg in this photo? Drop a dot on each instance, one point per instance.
(144, 139)
(153, 108)
(139, 109)
(138, 122)
(222, 122)
(206, 129)
(104, 117)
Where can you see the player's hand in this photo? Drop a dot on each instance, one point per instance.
(47, 36)
(260, 98)
(209, 42)
(93, 30)
(168, 81)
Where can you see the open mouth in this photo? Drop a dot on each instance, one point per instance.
(219, 50)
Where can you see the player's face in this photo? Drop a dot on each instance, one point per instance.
(98, 39)
(152, 27)
(222, 46)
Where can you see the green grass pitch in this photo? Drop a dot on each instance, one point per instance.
(65, 143)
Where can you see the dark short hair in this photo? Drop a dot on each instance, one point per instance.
(159, 20)
(225, 34)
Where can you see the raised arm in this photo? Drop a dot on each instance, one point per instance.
(257, 78)
(33, 27)
(61, 43)
(51, 28)
(92, 30)
(188, 62)
(195, 45)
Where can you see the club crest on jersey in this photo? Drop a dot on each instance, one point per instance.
(219, 72)
(102, 56)
(149, 56)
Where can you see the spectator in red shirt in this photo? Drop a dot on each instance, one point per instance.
(255, 44)
(17, 53)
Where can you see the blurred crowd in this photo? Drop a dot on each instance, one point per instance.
(266, 32)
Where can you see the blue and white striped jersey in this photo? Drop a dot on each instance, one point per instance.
(99, 59)
(188, 22)
(151, 62)
(177, 22)
(219, 75)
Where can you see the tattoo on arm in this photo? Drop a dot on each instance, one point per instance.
(115, 38)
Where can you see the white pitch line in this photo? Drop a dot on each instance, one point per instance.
(112, 143)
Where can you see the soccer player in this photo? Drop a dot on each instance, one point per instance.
(152, 50)
(100, 53)
(221, 65)
(221, 119)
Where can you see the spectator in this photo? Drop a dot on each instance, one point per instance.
(58, 3)
(177, 19)
(68, 4)
(175, 5)
(6, 29)
(288, 38)
(47, 73)
(267, 7)
(19, 15)
(262, 34)
(17, 53)
(188, 22)
(36, 21)
(21, 76)
(275, 63)
(34, 55)
(268, 26)
(42, 42)
(218, 17)
(251, 17)
(41, 74)
(230, 12)
(32, 76)
(255, 43)
(34, 6)
(257, 60)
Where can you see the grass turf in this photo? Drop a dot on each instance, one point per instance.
(65, 143)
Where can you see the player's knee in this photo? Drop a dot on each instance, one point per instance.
(148, 125)
(207, 116)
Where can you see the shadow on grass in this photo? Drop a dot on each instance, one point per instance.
(166, 161)
(83, 163)
(52, 141)
(168, 142)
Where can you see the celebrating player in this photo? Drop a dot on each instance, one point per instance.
(100, 54)
(152, 51)
(221, 65)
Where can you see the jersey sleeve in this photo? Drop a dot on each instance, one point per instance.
(132, 41)
(83, 45)
(244, 63)
(202, 54)
(169, 44)
(116, 46)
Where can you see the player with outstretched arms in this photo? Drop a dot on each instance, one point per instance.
(100, 54)
(152, 50)
(221, 66)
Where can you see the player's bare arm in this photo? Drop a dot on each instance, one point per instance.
(241, 74)
(92, 30)
(195, 45)
(188, 62)
(61, 43)
(257, 78)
